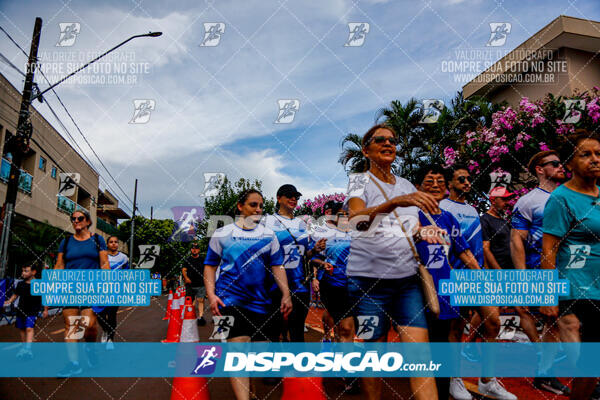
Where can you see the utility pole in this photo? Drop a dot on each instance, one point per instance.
(18, 145)
(151, 213)
(132, 223)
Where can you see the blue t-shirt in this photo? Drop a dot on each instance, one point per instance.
(119, 261)
(575, 218)
(435, 259)
(336, 253)
(293, 253)
(470, 227)
(82, 254)
(244, 258)
(528, 215)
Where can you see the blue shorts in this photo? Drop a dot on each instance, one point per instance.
(22, 322)
(379, 301)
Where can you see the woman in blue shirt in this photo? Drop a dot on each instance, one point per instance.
(246, 253)
(570, 245)
(83, 250)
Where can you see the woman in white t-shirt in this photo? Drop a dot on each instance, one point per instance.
(382, 270)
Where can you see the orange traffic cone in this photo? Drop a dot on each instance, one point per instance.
(174, 328)
(169, 303)
(303, 388)
(189, 329)
(190, 389)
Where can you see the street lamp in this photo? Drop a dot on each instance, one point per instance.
(19, 144)
(149, 34)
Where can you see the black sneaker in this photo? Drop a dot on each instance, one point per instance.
(69, 370)
(351, 386)
(271, 381)
(551, 385)
(92, 357)
(201, 321)
(596, 393)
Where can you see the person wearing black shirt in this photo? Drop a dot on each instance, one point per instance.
(193, 275)
(495, 229)
(27, 310)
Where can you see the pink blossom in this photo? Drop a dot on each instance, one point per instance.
(450, 156)
(518, 146)
(593, 110)
(473, 165)
(544, 147)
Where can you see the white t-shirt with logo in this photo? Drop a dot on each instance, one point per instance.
(383, 251)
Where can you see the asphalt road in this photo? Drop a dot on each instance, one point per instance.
(145, 324)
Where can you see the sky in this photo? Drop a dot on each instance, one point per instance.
(214, 103)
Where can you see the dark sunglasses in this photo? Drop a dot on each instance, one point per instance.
(381, 139)
(463, 179)
(554, 163)
(78, 219)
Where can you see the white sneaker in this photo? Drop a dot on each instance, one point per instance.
(458, 391)
(104, 337)
(110, 345)
(495, 389)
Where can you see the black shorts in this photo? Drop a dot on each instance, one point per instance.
(246, 323)
(587, 312)
(336, 301)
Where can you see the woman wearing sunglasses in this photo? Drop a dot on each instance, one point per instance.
(83, 250)
(383, 284)
(249, 257)
(570, 244)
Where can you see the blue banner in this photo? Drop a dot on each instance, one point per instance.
(506, 287)
(95, 287)
(303, 359)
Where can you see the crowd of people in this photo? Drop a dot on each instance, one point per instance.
(261, 269)
(367, 273)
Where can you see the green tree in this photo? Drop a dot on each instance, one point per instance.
(33, 241)
(156, 231)
(420, 143)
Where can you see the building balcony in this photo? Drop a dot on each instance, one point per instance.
(106, 227)
(25, 178)
(68, 206)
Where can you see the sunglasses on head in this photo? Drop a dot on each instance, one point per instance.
(78, 219)
(554, 163)
(463, 179)
(382, 139)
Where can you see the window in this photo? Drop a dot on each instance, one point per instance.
(53, 172)
(42, 164)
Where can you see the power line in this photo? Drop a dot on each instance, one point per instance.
(73, 121)
(10, 64)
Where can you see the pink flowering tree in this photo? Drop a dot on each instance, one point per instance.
(516, 134)
(314, 206)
